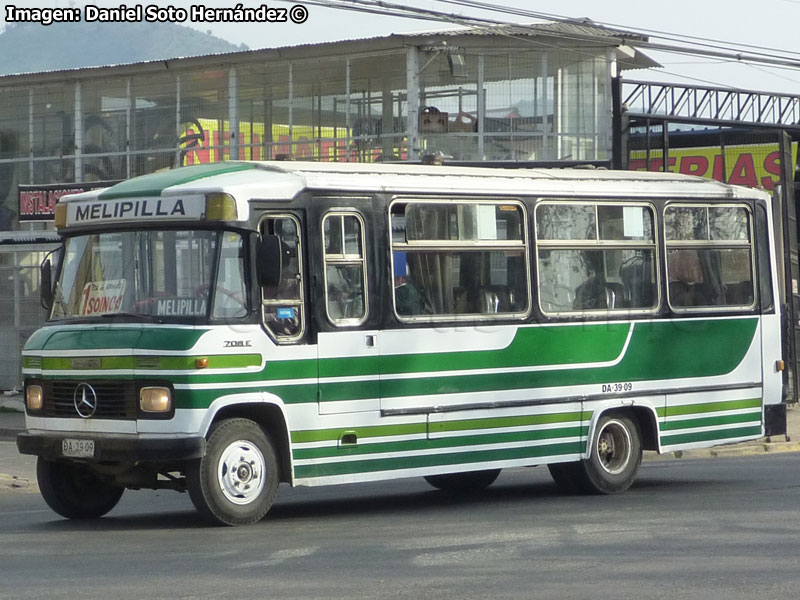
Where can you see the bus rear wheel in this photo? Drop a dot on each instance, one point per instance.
(236, 482)
(614, 459)
(473, 481)
(74, 491)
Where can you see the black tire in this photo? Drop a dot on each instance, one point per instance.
(236, 482)
(569, 477)
(465, 483)
(614, 458)
(74, 491)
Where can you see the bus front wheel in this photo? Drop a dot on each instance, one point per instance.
(614, 459)
(74, 491)
(236, 482)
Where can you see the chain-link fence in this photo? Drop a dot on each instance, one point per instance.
(20, 311)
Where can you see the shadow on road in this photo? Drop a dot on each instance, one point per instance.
(398, 499)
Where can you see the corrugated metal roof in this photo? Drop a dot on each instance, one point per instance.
(29, 237)
(579, 31)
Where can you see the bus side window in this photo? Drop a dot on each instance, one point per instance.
(709, 256)
(459, 259)
(282, 306)
(345, 268)
(762, 250)
(595, 256)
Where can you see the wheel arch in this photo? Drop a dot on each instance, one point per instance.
(642, 412)
(268, 411)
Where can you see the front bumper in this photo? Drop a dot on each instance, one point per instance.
(115, 448)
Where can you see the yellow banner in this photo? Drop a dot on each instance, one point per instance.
(206, 143)
(752, 165)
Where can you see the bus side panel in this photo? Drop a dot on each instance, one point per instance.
(711, 410)
(463, 399)
(417, 445)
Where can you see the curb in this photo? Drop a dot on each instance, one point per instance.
(13, 403)
(12, 483)
(736, 450)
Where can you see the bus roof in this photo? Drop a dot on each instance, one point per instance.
(283, 180)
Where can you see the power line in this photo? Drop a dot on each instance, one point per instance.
(701, 41)
(705, 49)
(726, 52)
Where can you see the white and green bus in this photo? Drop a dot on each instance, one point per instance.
(225, 328)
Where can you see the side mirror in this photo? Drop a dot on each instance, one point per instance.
(268, 260)
(46, 285)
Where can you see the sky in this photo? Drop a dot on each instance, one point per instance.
(767, 25)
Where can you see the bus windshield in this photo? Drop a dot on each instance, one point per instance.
(158, 274)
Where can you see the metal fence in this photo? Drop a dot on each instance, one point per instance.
(20, 311)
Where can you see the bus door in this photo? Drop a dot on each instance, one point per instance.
(284, 309)
(346, 308)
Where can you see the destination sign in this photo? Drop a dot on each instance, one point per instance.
(181, 307)
(135, 209)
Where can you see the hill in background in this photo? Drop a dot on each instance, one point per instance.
(28, 47)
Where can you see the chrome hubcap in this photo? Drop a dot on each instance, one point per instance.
(613, 446)
(241, 472)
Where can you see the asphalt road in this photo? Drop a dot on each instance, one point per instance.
(717, 528)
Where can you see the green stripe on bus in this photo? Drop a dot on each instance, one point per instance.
(712, 421)
(274, 370)
(439, 443)
(166, 363)
(331, 435)
(658, 350)
(204, 398)
(31, 362)
(431, 460)
(706, 407)
(707, 436)
(154, 184)
(497, 422)
(351, 390)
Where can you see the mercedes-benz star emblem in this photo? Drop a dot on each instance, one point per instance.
(85, 400)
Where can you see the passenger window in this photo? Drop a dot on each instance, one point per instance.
(230, 296)
(709, 256)
(763, 248)
(596, 257)
(459, 260)
(345, 268)
(283, 307)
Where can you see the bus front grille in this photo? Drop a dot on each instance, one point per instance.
(114, 399)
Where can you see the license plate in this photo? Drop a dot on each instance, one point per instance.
(77, 448)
